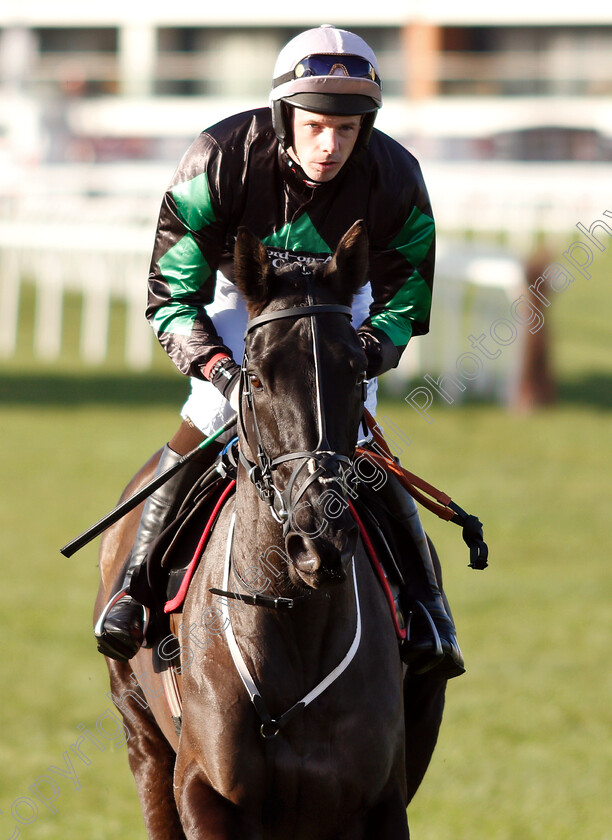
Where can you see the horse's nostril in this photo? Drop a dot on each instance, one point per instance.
(301, 554)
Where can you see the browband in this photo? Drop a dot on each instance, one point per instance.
(297, 312)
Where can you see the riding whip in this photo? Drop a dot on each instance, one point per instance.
(129, 504)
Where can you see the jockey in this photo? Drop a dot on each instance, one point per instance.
(297, 174)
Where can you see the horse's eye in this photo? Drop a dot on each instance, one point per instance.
(255, 381)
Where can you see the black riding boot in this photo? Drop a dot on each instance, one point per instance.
(120, 630)
(431, 641)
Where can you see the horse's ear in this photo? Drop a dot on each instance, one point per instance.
(252, 270)
(347, 271)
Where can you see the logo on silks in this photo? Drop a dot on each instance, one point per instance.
(307, 262)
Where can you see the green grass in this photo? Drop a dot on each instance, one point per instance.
(525, 751)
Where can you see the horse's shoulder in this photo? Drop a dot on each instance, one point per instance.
(144, 474)
(117, 540)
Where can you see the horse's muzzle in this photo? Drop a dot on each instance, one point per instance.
(320, 561)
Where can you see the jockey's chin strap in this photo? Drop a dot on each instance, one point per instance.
(321, 461)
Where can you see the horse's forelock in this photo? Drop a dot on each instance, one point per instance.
(290, 288)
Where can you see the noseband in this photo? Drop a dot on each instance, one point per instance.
(326, 463)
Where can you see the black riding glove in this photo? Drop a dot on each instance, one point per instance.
(381, 353)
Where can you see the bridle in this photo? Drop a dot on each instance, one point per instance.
(326, 462)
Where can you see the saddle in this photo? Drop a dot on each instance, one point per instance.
(161, 580)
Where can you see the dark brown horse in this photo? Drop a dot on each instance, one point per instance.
(297, 722)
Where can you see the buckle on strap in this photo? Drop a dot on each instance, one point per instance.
(258, 600)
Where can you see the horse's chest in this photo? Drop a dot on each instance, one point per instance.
(336, 752)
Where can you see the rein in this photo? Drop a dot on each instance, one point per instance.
(430, 497)
(325, 461)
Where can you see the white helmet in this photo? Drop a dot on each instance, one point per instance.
(327, 71)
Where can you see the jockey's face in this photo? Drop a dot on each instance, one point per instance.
(322, 144)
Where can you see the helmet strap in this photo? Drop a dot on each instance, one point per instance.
(287, 119)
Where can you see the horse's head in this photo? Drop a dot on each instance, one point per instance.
(302, 398)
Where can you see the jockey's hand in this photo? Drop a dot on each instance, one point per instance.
(381, 353)
(225, 376)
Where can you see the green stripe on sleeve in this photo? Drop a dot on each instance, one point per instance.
(194, 203)
(415, 238)
(185, 270)
(173, 320)
(184, 267)
(411, 303)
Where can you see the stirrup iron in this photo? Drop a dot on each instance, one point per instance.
(99, 625)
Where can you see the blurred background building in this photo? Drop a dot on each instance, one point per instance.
(508, 107)
(462, 82)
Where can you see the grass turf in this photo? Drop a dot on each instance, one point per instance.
(525, 750)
